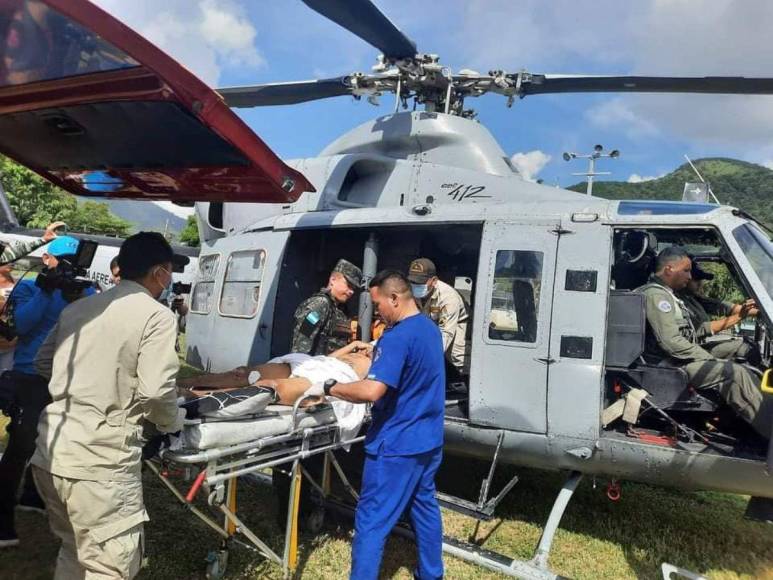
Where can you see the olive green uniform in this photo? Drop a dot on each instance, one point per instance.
(321, 325)
(700, 308)
(671, 336)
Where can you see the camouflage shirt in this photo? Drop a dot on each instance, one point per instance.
(321, 326)
(19, 250)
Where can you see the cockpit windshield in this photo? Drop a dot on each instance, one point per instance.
(759, 251)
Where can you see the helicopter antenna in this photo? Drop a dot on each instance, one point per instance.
(708, 185)
(598, 152)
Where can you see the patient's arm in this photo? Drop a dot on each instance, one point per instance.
(236, 377)
(288, 390)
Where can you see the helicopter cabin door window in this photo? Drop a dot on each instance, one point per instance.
(203, 293)
(515, 296)
(241, 286)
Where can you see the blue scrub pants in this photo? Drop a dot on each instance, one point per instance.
(390, 486)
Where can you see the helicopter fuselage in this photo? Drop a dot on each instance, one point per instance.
(436, 185)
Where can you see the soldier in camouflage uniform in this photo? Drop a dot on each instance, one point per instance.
(701, 307)
(321, 325)
(20, 249)
(672, 337)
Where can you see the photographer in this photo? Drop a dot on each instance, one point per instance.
(35, 311)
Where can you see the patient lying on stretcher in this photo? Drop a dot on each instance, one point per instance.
(290, 376)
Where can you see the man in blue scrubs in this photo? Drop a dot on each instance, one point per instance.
(404, 444)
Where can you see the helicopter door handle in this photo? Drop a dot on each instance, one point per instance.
(546, 360)
(262, 330)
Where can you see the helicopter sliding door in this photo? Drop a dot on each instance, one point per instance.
(232, 300)
(511, 336)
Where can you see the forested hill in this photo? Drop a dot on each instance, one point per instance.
(737, 183)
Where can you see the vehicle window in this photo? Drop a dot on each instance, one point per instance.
(37, 43)
(241, 287)
(204, 285)
(515, 297)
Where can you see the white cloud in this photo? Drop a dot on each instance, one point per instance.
(636, 178)
(530, 164)
(204, 35)
(177, 210)
(617, 114)
(768, 163)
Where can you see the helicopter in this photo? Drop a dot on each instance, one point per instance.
(556, 331)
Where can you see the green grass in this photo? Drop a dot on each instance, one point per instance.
(701, 531)
(598, 539)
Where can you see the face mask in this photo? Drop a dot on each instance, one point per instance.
(419, 290)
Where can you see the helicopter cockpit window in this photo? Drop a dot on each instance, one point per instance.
(241, 286)
(759, 250)
(515, 298)
(204, 287)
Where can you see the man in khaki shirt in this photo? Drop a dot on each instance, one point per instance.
(112, 364)
(443, 304)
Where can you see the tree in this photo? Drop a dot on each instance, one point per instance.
(92, 217)
(37, 203)
(190, 233)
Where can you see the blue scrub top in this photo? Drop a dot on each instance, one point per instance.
(35, 313)
(409, 359)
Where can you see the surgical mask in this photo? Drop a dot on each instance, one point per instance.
(419, 290)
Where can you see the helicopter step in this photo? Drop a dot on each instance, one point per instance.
(484, 509)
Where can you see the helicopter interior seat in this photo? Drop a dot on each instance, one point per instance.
(635, 253)
(666, 384)
(525, 309)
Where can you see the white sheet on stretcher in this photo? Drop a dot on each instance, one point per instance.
(276, 420)
(318, 369)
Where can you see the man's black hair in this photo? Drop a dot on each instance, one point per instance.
(114, 263)
(141, 252)
(391, 281)
(669, 255)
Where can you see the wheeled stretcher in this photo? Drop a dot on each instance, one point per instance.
(212, 455)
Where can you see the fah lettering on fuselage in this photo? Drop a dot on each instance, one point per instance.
(101, 278)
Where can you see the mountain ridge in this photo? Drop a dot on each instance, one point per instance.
(737, 183)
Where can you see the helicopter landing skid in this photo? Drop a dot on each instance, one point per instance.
(534, 569)
(483, 510)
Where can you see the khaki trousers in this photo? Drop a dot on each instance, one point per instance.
(739, 389)
(100, 524)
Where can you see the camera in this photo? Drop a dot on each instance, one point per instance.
(179, 288)
(69, 276)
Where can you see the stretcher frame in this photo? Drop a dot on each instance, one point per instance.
(220, 468)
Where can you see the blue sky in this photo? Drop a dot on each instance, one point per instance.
(232, 42)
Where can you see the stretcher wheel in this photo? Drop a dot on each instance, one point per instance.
(217, 563)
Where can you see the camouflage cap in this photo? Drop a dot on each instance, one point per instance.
(351, 272)
(421, 270)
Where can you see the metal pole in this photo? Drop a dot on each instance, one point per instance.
(546, 540)
(369, 265)
(591, 172)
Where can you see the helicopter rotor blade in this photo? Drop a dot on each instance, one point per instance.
(285, 93)
(546, 84)
(364, 19)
